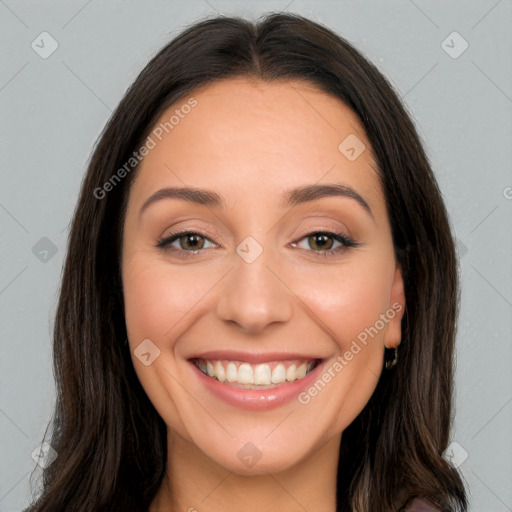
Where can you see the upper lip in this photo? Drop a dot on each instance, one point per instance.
(253, 357)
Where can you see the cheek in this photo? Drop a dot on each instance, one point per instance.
(157, 297)
(348, 304)
(350, 299)
(159, 304)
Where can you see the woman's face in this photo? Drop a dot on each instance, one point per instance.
(259, 334)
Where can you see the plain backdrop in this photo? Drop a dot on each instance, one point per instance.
(449, 61)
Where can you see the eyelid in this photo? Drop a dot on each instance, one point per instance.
(165, 242)
(346, 243)
(203, 231)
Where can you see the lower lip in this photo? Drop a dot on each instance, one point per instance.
(255, 399)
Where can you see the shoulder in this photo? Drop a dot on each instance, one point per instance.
(421, 505)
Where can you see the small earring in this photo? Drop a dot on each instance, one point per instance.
(390, 363)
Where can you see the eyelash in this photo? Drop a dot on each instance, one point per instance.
(346, 242)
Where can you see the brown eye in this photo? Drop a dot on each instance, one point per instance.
(191, 241)
(325, 243)
(186, 241)
(320, 241)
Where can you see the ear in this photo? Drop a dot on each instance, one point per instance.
(396, 311)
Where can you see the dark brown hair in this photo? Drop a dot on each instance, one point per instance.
(111, 443)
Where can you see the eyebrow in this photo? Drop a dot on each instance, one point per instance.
(291, 197)
(311, 192)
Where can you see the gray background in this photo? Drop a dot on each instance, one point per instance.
(53, 109)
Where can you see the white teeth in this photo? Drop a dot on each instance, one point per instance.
(290, 372)
(220, 373)
(248, 375)
(245, 375)
(262, 374)
(301, 371)
(231, 372)
(279, 374)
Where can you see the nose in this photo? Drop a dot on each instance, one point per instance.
(254, 294)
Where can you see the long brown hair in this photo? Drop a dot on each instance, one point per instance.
(111, 443)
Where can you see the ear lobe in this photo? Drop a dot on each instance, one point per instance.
(396, 311)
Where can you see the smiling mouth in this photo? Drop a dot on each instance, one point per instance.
(256, 376)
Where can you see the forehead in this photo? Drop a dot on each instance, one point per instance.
(246, 135)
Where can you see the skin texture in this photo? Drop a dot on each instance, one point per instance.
(250, 141)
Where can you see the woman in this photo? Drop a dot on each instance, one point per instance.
(259, 300)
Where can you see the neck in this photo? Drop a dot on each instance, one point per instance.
(195, 483)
